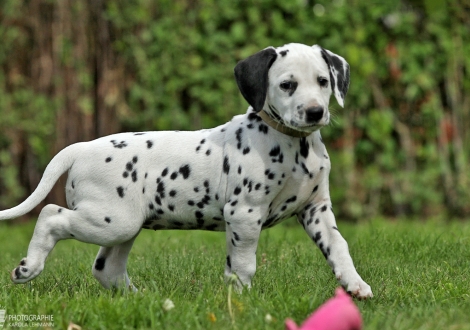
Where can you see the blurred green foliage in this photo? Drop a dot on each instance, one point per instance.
(399, 147)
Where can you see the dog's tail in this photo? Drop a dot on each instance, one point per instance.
(58, 165)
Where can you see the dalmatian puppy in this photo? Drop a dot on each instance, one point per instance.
(241, 177)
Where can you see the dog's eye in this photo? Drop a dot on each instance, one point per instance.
(323, 81)
(287, 85)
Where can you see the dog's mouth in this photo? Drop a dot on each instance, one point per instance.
(305, 128)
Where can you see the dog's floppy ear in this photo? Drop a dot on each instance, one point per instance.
(251, 75)
(339, 74)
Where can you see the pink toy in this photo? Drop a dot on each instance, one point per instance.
(338, 313)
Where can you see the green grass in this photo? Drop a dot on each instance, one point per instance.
(419, 273)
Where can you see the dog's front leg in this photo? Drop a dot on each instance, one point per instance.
(242, 241)
(319, 223)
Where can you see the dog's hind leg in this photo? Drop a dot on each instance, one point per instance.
(56, 223)
(109, 267)
(53, 225)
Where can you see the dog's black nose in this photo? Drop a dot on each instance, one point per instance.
(314, 114)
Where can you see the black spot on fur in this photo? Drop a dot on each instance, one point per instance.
(315, 189)
(59, 210)
(165, 171)
(246, 150)
(324, 208)
(199, 215)
(304, 147)
(119, 145)
(134, 176)
(172, 193)
(171, 207)
(252, 116)
(107, 160)
(239, 170)
(284, 52)
(263, 128)
(275, 151)
(269, 174)
(125, 174)
(237, 190)
(226, 166)
(208, 152)
(312, 211)
(161, 189)
(229, 264)
(120, 191)
(174, 175)
(304, 168)
(185, 171)
(191, 203)
(99, 263)
(292, 199)
(149, 144)
(238, 135)
(107, 219)
(317, 236)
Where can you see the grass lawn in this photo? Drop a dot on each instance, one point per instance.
(419, 273)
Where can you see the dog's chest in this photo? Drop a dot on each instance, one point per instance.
(275, 172)
(306, 173)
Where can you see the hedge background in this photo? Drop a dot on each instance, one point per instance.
(74, 70)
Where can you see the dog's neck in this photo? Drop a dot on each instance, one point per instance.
(281, 127)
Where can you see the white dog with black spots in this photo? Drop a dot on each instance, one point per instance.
(241, 177)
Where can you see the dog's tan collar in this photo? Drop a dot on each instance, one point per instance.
(280, 127)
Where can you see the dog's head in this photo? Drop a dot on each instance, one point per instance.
(293, 84)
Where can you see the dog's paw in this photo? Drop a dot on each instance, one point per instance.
(355, 286)
(21, 273)
(359, 289)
